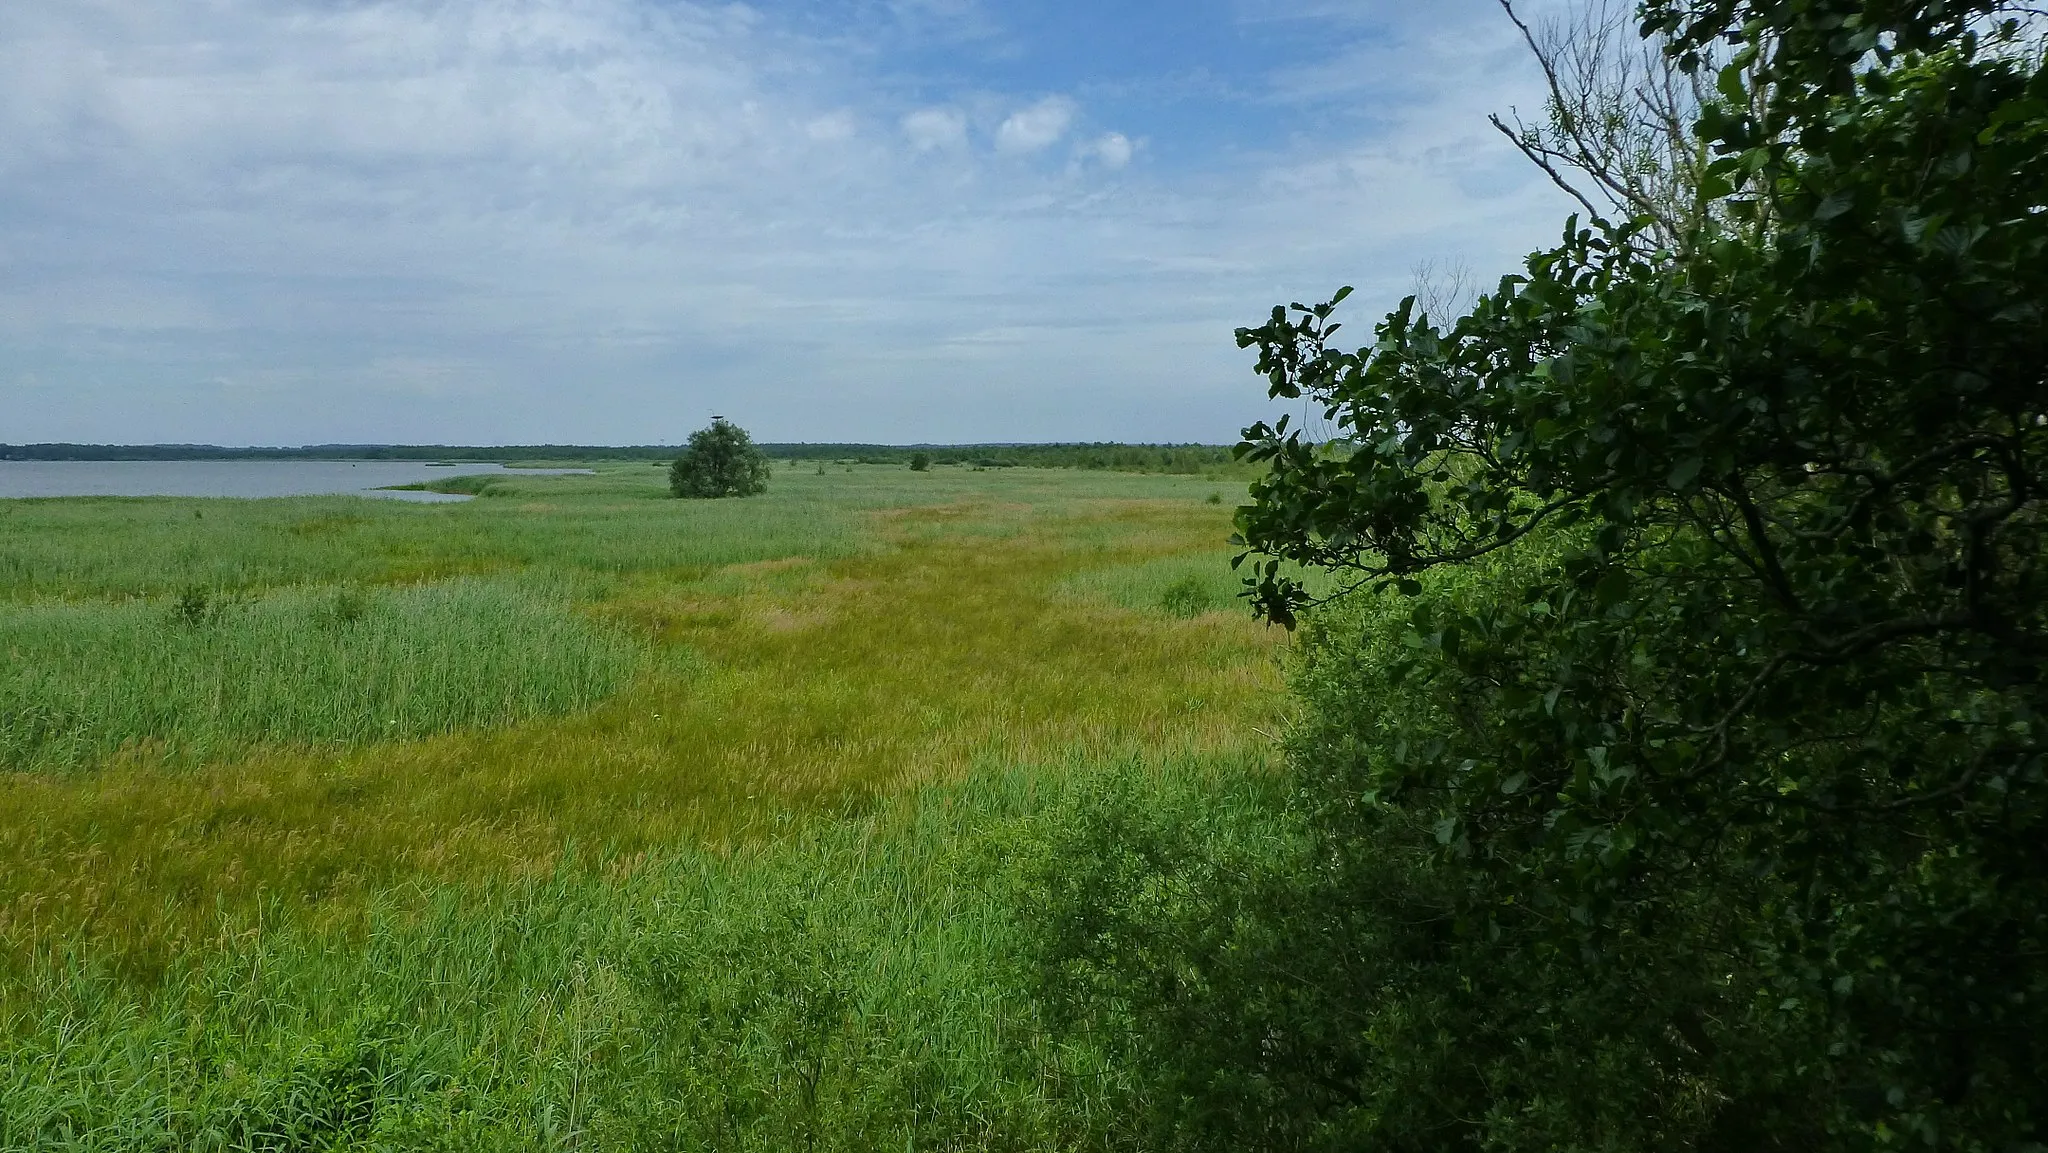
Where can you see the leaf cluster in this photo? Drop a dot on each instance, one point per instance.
(1747, 730)
(720, 461)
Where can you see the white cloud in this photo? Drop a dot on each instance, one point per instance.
(1112, 150)
(840, 125)
(935, 129)
(599, 220)
(1037, 127)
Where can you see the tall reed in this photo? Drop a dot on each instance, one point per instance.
(203, 673)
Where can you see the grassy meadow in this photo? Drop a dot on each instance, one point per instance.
(574, 816)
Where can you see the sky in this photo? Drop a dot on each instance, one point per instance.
(285, 222)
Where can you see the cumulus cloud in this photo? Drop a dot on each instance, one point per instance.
(1111, 149)
(1037, 127)
(602, 220)
(935, 129)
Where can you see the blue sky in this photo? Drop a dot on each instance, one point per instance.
(601, 221)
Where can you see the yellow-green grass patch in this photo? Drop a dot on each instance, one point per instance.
(918, 630)
(848, 985)
(1187, 585)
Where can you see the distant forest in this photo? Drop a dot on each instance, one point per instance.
(1181, 458)
(1172, 458)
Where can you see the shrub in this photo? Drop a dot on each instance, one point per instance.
(720, 461)
(1186, 597)
(1675, 778)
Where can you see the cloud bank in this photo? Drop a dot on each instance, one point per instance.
(288, 221)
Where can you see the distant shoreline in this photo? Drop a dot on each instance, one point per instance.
(524, 452)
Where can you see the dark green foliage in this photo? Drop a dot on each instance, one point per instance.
(1321, 977)
(720, 461)
(1674, 778)
(195, 606)
(920, 461)
(1186, 597)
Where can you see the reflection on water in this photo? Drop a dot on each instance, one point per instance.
(236, 478)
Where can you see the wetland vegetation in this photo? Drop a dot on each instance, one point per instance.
(578, 817)
(1671, 774)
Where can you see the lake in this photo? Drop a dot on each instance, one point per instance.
(237, 478)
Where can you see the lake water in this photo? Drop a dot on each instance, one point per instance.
(237, 478)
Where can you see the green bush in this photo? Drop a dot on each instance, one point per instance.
(1675, 777)
(721, 461)
(1312, 975)
(1188, 596)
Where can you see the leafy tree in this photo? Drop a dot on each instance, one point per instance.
(720, 461)
(920, 461)
(1673, 775)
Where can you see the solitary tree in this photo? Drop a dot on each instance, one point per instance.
(720, 461)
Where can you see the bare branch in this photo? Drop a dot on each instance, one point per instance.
(1542, 161)
(1619, 114)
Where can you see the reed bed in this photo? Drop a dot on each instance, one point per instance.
(575, 817)
(201, 675)
(849, 985)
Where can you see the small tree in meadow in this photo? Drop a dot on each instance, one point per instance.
(920, 461)
(720, 461)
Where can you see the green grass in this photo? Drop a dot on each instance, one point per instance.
(1181, 584)
(618, 522)
(1178, 586)
(199, 675)
(700, 824)
(607, 524)
(853, 984)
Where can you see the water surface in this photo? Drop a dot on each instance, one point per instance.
(237, 478)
